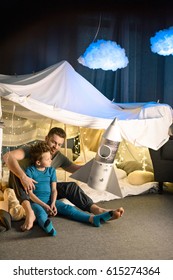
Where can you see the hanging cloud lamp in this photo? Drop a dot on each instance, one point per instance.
(106, 55)
(162, 42)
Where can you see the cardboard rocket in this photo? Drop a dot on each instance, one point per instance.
(99, 172)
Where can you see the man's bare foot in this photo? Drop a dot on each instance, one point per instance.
(30, 216)
(29, 221)
(117, 213)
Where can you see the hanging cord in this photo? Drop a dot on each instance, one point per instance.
(98, 28)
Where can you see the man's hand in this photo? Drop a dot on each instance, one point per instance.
(28, 183)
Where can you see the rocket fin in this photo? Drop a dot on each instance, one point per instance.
(83, 173)
(113, 185)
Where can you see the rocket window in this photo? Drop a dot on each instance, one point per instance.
(104, 151)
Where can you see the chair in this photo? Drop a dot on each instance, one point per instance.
(162, 160)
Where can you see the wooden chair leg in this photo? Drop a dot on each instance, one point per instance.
(160, 190)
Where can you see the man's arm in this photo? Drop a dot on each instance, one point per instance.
(72, 168)
(60, 160)
(11, 159)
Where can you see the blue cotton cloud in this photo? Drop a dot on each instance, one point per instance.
(106, 55)
(162, 42)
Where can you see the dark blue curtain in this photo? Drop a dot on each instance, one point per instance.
(39, 38)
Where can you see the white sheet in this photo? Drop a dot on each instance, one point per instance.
(61, 94)
(126, 188)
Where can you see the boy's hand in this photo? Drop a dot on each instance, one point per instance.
(54, 210)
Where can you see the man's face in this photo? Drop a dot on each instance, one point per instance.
(55, 142)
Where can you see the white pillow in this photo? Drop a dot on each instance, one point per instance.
(121, 174)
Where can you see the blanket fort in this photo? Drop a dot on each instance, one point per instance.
(60, 93)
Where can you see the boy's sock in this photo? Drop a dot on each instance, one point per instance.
(106, 216)
(49, 228)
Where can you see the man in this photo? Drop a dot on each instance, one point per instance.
(17, 161)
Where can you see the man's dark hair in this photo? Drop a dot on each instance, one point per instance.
(58, 131)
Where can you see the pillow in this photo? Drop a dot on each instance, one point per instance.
(168, 184)
(130, 166)
(140, 177)
(16, 210)
(121, 174)
(4, 205)
(5, 178)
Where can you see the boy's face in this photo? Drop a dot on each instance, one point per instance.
(55, 143)
(46, 160)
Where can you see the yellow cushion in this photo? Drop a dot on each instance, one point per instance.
(140, 177)
(130, 166)
(168, 184)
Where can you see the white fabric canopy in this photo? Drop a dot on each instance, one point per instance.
(61, 94)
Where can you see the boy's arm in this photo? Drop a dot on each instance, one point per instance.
(11, 159)
(35, 199)
(54, 194)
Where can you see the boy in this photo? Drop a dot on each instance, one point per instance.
(44, 198)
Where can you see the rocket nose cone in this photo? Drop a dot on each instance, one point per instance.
(113, 132)
(114, 121)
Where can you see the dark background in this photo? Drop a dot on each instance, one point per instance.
(37, 34)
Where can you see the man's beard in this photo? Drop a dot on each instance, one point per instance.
(53, 151)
